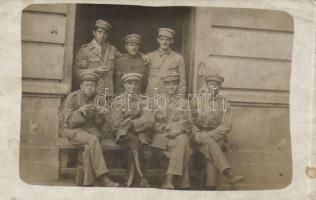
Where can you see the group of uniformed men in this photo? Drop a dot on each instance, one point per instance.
(101, 69)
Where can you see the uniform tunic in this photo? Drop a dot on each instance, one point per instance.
(129, 64)
(83, 130)
(141, 120)
(94, 56)
(212, 118)
(162, 63)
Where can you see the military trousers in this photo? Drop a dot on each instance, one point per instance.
(179, 152)
(93, 160)
(215, 159)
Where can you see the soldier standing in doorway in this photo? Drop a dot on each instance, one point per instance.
(131, 61)
(212, 118)
(81, 128)
(164, 61)
(99, 56)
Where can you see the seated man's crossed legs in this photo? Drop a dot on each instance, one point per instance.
(94, 165)
(216, 161)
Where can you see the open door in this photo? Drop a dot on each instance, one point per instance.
(134, 19)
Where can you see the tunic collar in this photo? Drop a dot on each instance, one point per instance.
(174, 97)
(131, 56)
(163, 52)
(131, 97)
(96, 45)
(216, 98)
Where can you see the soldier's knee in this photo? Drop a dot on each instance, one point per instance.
(92, 140)
(134, 142)
(211, 141)
(132, 137)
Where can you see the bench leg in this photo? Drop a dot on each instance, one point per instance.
(63, 160)
(79, 168)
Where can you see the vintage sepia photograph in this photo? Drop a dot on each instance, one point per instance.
(177, 98)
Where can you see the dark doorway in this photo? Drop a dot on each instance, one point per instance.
(132, 19)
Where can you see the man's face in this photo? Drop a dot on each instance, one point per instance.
(100, 35)
(88, 88)
(213, 87)
(164, 42)
(132, 87)
(132, 48)
(171, 87)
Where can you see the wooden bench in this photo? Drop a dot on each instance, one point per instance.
(108, 146)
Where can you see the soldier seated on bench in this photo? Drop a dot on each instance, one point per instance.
(80, 127)
(212, 125)
(130, 123)
(171, 129)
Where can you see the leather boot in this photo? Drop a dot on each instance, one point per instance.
(107, 182)
(167, 184)
(131, 175)
(143, 180)
(232, 179)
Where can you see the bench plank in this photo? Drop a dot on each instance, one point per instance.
(104, 147)
(106, 144)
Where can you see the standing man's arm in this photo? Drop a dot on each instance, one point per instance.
(81, 61)
(182, 72)
(117, 75)
(144, 58)
(117, 53)
(111, 73)
(145, 78)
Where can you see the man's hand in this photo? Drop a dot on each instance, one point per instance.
(127, 123)
(84, 109)
(200, 137)
(197, 138)
(217, 137)
(102, 69)
(172, 130)
(173, 133)
(144, 58)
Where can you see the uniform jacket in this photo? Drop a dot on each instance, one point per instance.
(73, 120)
(162, 63)
(93, 56)
(141, 120)
(212, 116)
(174, 115)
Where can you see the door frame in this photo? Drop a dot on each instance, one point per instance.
(189, 36)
